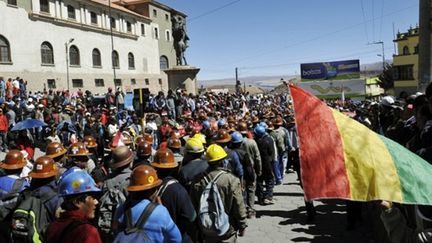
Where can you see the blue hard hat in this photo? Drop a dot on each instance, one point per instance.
(259, 130)
(236, 137)
(206, 124)
(263, 124)
(221, 123)
(77, 182)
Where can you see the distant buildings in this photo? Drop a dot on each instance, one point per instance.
(405, 62)
(124, 43)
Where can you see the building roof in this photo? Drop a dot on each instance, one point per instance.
(116, 6)
(158, 4)
(410, 33)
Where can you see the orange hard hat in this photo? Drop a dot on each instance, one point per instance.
(144, 149)
(164, 158)
(78, 149)
(174, 143)
(139, 139)
(278, 121)
(143, 177)
(55, 150)
(222, 136)
(242, 127)
(14, 160)
(44, 167)
(90, 142)
(121, 156)
(148, 137)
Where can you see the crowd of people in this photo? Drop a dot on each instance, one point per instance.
(189, 169)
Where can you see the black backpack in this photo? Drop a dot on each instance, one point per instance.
(30, 219)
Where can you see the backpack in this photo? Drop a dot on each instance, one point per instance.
(30, 219)
(164, 186)
(135, 233)
(110, 200)
(11, 200)
(213, 219)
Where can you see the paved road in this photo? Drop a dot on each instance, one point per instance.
(285, 221)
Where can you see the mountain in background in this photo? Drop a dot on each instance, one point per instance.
(269, 82)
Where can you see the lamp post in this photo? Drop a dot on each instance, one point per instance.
(67, 60)
(382, 47)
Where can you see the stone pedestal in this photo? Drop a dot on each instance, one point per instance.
(183, 77)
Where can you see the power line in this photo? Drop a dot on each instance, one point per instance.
(373, 19)
(323, 60)
(321, 36)
(213, 10)
(364, 19)
(381, 23)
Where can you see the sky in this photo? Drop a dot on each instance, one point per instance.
(273, 37)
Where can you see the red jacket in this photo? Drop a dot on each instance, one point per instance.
(27, 145)
(4, 124)
(84, 233)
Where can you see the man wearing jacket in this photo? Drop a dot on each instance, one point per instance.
(267, 152)
(230, 190)
(79, 192)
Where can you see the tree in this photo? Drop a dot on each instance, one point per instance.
(386, 80)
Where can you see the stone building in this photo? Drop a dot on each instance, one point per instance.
(86, 44)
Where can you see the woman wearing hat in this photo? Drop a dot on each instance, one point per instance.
(142, 188)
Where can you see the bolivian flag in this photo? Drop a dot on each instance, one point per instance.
(341, 158)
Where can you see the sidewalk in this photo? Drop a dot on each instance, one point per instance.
(285, 221)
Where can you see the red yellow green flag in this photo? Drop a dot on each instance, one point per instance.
(341, 158)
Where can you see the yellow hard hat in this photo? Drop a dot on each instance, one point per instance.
(194, 145)
(200, 137)
(215, 153)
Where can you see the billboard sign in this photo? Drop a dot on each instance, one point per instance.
(338, 70)
(333, 89)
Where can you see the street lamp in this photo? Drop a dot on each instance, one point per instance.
(382, 46)
(67, 60)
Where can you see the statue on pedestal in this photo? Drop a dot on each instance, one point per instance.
(180, 38)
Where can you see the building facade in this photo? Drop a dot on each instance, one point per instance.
(405, 62)
(84, 44)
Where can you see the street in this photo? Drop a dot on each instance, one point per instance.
(285, 221)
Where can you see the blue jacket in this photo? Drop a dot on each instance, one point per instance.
(234, 163)
(159, 226)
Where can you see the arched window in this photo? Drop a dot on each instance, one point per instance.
(96, 58)
(405, 50)
(71, 12)
(131, 60)
(163, 63)
(47, 54)
(74, 56)
(115, 59)
(5, 54)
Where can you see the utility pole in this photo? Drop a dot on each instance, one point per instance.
(237, 84)
(67, 61)
(424, 72)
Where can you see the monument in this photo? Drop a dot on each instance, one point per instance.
(182, 75)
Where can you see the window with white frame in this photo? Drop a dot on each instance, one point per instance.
(47, 54)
